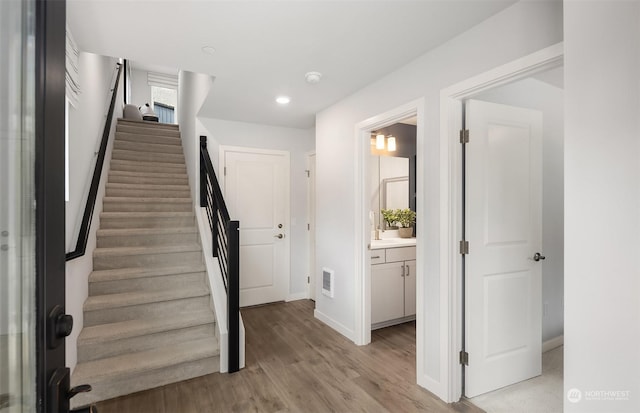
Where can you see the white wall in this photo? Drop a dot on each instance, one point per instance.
(86, 125)
(193, 89)
(602, 204)
(298, 142)
(534, 94)
(517, 31)
(140, 89)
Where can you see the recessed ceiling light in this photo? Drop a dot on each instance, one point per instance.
(283, 100)
(208, 50)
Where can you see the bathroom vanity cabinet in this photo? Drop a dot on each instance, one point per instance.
(393, 285)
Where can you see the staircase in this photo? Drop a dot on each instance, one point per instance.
(148, 320)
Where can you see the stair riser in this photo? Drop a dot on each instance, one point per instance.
(150, 310)
(132, 137)
(119, 387)
(144, 240)
(147, 180)
(147, 147)
(146, 260)
(148, 131)
(147, 207)
(147, 157)
(165, 282)
(148, 193)
(171, 168)
(141, 343)
(146, 222)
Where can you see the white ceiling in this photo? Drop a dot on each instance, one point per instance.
(264, 48)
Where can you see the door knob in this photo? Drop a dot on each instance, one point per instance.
(279, 236)
(537, 256)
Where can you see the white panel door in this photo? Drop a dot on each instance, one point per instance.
(256, 189)
(504, 226)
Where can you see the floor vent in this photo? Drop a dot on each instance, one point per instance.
(327, 282)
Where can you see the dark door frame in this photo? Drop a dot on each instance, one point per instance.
(50, 42)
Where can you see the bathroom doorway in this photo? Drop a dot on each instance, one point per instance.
(410, 114)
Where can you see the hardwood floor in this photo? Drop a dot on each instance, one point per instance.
(295, 363)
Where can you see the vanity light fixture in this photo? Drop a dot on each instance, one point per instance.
(380, 142)
(391, 144)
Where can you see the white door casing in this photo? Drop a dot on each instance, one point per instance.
(504, 229)
(256, 189)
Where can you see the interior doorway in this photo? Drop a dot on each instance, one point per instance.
(541, 305)
(414, 111)
(452, 98)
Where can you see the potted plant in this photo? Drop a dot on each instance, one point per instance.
(405, 218)
(390, 217)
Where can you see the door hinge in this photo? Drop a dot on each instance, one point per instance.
(464, 136)
(308, 173)
(464, 358)
(464, 247)
(225, 171)
(308, 280)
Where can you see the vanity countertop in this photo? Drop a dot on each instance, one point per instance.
(377, 244)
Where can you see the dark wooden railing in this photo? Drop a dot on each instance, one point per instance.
(225, 239)
(85, 226)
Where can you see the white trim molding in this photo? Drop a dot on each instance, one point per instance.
(552, 343)
(340, 328)
(362, 231)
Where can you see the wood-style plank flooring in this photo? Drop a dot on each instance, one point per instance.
(295, 363)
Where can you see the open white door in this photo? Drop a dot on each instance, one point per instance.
(256, 189)
(504, 227)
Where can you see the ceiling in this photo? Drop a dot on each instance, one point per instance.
(264, 48)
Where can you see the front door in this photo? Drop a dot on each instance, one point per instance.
(256, 189)
(32, 229)
(503, 218)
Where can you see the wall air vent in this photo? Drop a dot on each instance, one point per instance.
(327, 282)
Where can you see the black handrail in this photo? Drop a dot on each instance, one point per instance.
(225, 240)
(85, 226)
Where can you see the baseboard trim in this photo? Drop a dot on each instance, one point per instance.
(552, 343)
(296, 297)
(335, 325)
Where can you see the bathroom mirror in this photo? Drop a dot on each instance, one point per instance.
(389, 185)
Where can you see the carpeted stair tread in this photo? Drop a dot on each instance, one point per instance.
(145, 231)
(149, 174)
(101, 302)
(103, 333)
(136, 363)
(147, 200)
(160, 249)
(142, 272)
